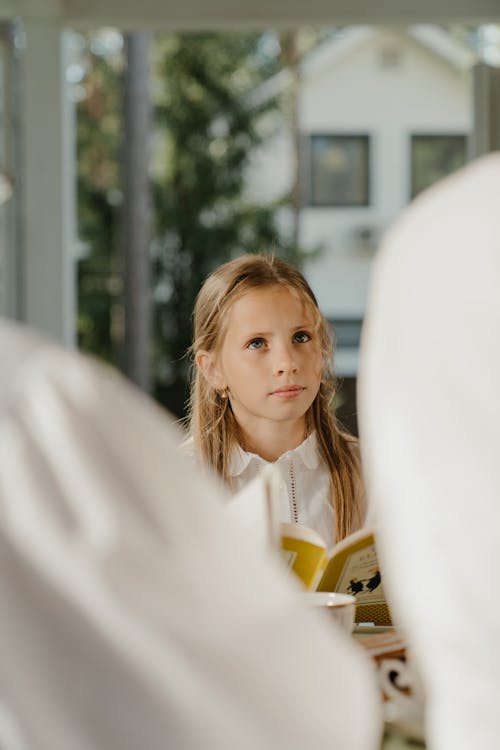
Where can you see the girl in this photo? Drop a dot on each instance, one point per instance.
(262, 392)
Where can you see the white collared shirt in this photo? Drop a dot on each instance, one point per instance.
(306, 494)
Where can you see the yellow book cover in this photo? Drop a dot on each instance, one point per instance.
(304, 552)
(352, 568)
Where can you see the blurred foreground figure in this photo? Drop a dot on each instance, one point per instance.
(430, 429)
(131, 616)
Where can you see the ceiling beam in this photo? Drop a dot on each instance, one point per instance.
(34, 10)
(226, 14)
(243, 14)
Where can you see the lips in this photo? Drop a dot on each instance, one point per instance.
(288, 391)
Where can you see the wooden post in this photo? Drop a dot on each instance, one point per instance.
(136, 222)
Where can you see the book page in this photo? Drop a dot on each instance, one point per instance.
(361, 576)
(354, 569)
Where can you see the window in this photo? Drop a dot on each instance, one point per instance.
(347, 332)
(339, 170)
(433, 157)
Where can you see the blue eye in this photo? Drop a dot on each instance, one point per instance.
(256, 344)
(301, 337)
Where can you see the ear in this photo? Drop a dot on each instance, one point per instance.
(206, 363)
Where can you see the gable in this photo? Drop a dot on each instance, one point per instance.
(389, 74)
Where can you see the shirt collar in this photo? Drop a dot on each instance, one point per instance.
(240, 459)
(307, 452)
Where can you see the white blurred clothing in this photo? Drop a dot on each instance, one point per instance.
(429, 411)
(132, 614)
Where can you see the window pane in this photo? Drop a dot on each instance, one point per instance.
(433, 157)
(347, 331)
(339, 170)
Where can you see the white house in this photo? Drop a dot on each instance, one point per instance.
(382, 113)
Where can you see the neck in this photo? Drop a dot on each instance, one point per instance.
(271, 441)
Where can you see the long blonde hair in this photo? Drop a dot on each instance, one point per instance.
(212, 423)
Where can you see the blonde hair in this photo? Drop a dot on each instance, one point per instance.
(212, 424)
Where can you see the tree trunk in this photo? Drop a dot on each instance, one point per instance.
(136, 220)
(291, 59)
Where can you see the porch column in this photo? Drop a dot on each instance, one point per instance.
(486, 134)
(47, 189)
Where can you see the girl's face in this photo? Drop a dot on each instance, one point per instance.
(270, 361)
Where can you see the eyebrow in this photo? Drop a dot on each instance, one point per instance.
(257, 334)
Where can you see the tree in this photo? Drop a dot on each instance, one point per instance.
(206, 127)
(202, 219)
(98, 194)
(136, 213)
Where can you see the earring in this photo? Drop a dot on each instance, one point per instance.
(223, 393)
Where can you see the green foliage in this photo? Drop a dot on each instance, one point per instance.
(206, 128)
(98, 195)
(202, 217)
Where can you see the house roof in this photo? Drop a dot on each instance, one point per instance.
(345, 41)
(444, 45)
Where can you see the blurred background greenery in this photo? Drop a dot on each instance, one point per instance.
(204, 131)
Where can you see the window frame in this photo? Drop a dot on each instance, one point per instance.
(366, 139)
(426, 135)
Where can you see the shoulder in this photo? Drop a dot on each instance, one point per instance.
(358, 480)
(188, 448)
(353, 445)
(187, 445)
(348, 447)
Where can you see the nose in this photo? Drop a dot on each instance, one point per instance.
(285, 361)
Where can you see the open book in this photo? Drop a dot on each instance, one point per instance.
(352, 568)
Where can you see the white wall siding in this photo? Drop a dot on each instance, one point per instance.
(347, 90)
